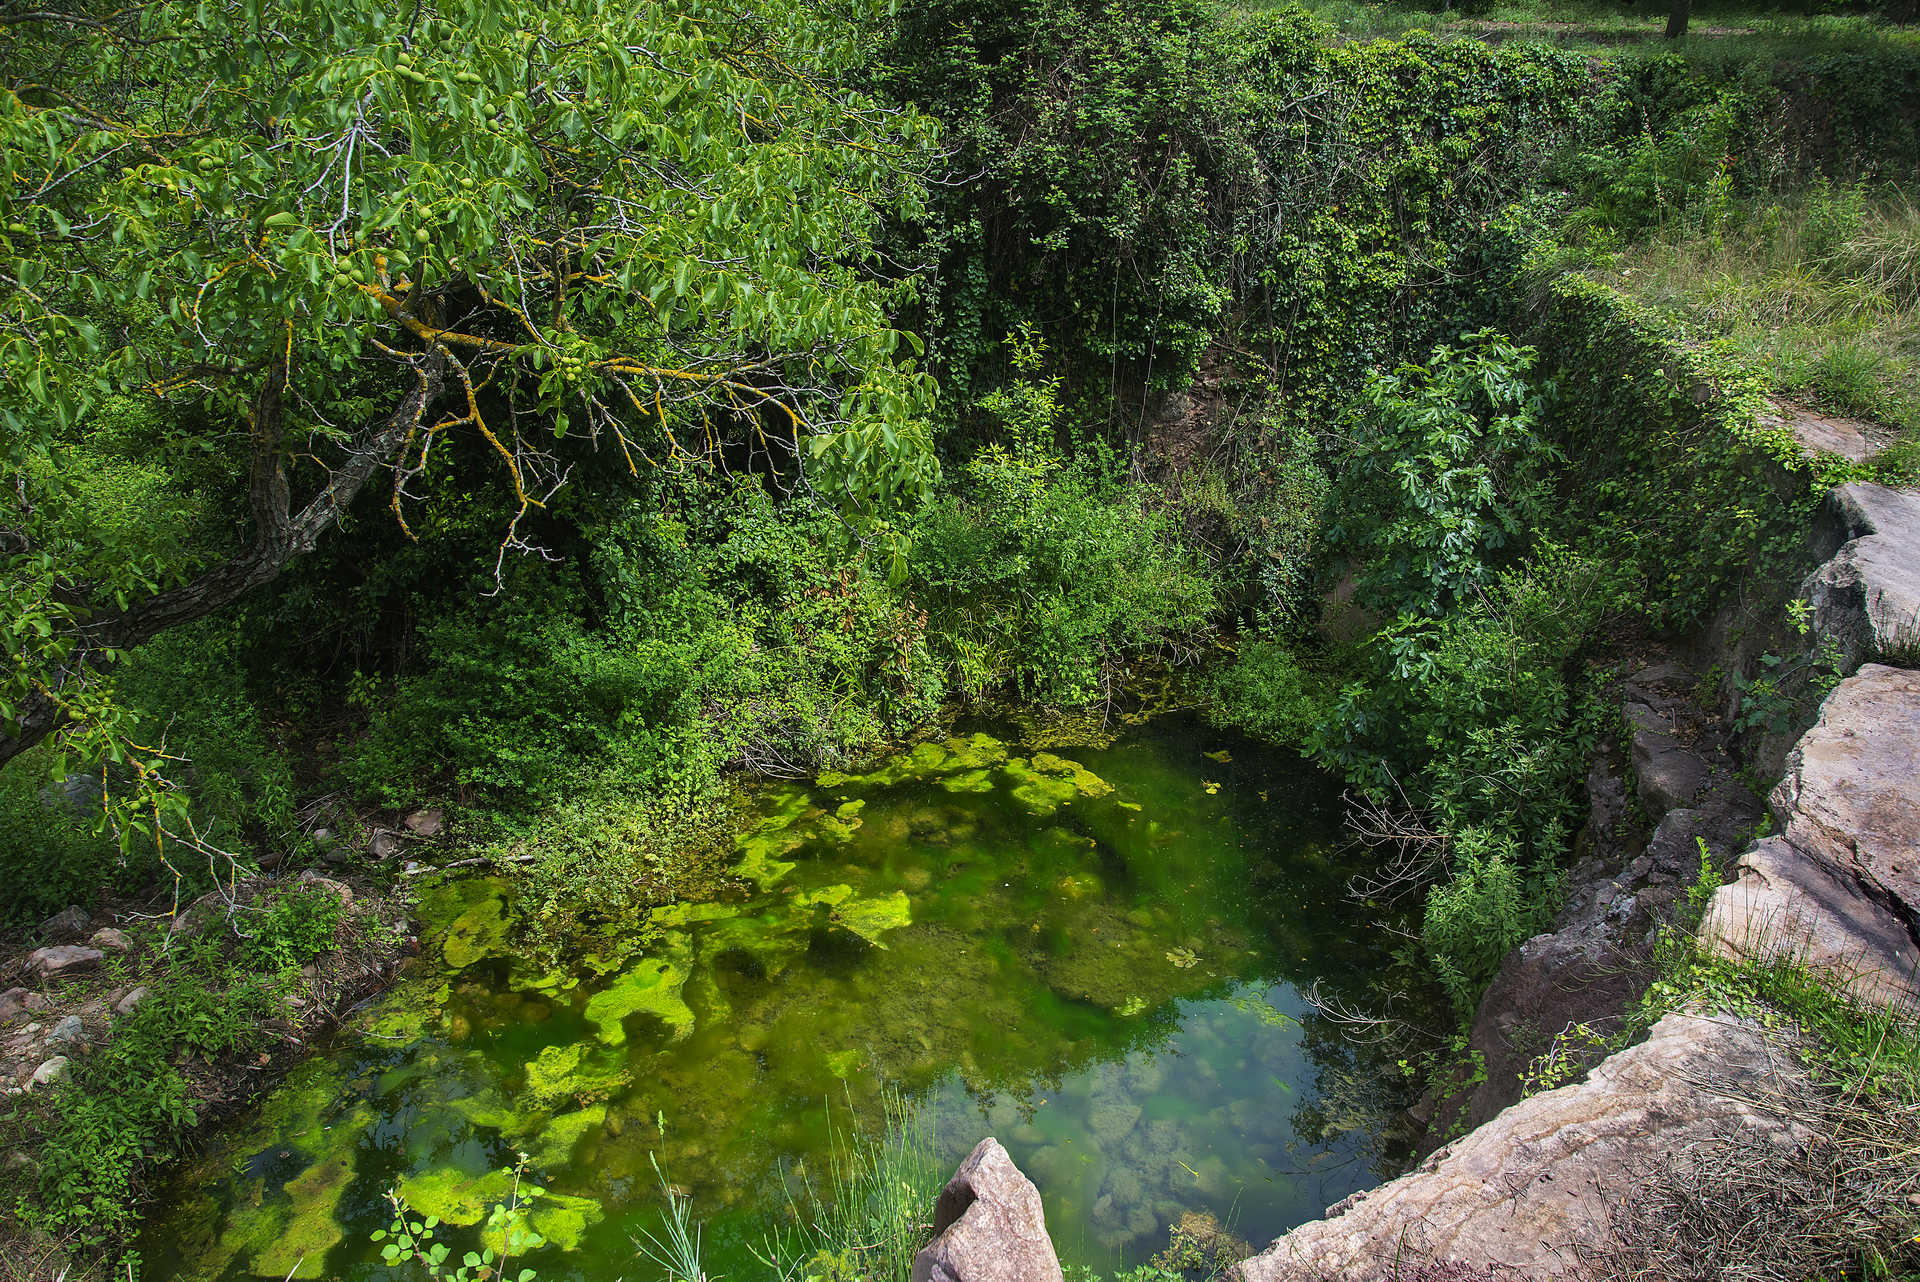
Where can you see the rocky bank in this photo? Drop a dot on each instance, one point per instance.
(1538, 1188)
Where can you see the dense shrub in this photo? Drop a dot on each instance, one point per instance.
(1147, 176)
(1042, 573)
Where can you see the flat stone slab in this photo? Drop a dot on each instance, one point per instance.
(1849, 438)
(63, 959)
(1839, 887)
(1533, 1188)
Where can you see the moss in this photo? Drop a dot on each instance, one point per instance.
(553, 1074)
(555, 1141)
(312, 1226)
(477, 933)
(760, 861)
(1085, 782)
(1040, 794)
(873, 917)
(844, 1064)
(650, 988)
(976, 752)
(969, 781)
(685, 914)
(454, 1195)
(563, 1219)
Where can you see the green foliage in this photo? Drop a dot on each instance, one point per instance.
(1679, 489)
(1267, 691)
(1447, 469)
(126, 1105)
(1043, 573)
(1480, 723)
(50, 854)
(1815, 291)
(412, 1239)
(294, 928)
(1149, 176)
(864, 1223)
(376, 236)
(191, 692)
(1490, 906)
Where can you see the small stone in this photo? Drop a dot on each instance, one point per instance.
(426, 823)
(110, 940)
(324, 840)
(63, 959)
(15, 1160)
(53, 1070)
(65, 926)
(385, 845)
(126, 1004)
(70, 1031)
(16, 1002)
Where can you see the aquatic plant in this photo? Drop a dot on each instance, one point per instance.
(412, 1239)
(676, 1248)
(866, 1221)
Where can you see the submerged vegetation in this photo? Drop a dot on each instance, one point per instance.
(615, 432)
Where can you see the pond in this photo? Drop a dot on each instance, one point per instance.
(1095, 952)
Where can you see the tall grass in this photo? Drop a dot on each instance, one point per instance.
(1820, 290)
(871, 1215)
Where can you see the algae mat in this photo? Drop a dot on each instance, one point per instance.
(1096, 953)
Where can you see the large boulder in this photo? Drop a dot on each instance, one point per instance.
(1667, 771)
(1839, 887)
(1538, 1185)
(1867, 597)
(988, 1225)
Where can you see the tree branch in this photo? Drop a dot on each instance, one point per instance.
(279, 535)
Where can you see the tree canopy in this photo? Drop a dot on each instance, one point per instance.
(257, 257)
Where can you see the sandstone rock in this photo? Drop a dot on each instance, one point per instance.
(1577, 974)
(1868, 596)
(426, 823)
(338, 889)
(1786, 903)
(63, 959)
(18, 1001)
(1667, 773)
(53, 1070)
(988, 1226)
(126, 1005)
(70, 1031)
(110, 940)
(385, 845)
(1540, 1182)
(66, 926)
(1839, 888)
(1817, 433)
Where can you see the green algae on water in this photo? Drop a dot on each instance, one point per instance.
(1075, 947)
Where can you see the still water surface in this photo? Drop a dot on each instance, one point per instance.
(1096, 953)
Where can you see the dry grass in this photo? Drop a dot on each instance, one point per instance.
(1831, 1192)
